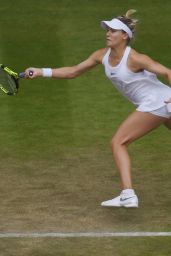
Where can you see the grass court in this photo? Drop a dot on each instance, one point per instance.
(56, 162)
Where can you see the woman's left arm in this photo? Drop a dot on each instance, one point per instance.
(144, 62)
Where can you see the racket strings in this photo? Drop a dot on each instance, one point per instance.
(8, 83)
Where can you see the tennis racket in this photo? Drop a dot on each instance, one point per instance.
(9, 80)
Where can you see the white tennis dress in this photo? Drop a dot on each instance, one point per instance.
(143, 89)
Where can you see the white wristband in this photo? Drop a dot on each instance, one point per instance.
(47, 72)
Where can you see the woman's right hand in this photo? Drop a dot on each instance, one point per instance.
(33, 72)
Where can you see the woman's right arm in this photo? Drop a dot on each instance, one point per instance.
(70, 72)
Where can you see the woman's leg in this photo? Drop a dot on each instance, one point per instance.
(135, 126)
(168, 123)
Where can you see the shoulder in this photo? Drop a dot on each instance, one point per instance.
(138, 57)
(139, 61)
(99, 54)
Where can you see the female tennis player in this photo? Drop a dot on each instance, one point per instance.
(135, 76)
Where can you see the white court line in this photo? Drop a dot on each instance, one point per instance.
(84, 234)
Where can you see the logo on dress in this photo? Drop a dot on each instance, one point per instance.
(112, 74)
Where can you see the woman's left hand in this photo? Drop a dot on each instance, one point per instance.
(168, 101)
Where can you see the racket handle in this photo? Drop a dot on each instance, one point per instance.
(22, 75)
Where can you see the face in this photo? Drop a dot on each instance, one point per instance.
(115, 37)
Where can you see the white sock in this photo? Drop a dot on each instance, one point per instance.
(128, 192)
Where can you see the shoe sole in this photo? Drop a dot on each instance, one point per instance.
(112, 206)
(126, 205)
(130, 206)
(118, 206)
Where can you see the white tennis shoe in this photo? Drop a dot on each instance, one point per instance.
(122, 201)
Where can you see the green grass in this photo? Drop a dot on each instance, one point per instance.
(56, 162)
(86, 246)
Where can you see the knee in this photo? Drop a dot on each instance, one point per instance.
(118, 141)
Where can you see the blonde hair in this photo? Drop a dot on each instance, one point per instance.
(127, 20)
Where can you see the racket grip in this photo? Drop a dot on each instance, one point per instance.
(22, 75)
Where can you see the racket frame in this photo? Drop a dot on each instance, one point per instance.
(14, 75)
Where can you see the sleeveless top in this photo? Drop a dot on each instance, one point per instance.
(143, 89)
